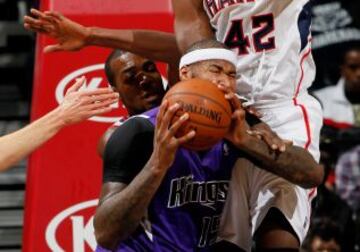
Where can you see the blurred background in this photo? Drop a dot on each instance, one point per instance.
(16, 71)
(336, 50)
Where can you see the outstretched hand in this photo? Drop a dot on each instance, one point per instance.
(79, 105)
(70, 36)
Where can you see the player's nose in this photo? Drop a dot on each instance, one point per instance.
(224, 81)
(143, 80)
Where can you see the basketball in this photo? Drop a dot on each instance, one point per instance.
(209, 112)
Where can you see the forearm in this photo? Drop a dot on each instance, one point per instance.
(191, 23)
(120, 214)
(18, 145)
(154, 45)
(189, 33)
(295, 164)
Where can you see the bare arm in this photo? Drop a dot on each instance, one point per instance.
(77, 106)
(122, 207)
(73, 36)
(154, 45)
(295, 164)
(191, 23)
(292, 163)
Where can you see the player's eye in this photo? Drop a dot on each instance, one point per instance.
(150, 67)
(232, 75)
(214, 69)
(130, 77)
(353, 67)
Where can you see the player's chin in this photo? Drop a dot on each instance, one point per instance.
(152, 105)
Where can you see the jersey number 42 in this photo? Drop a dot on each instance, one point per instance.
(263, 24)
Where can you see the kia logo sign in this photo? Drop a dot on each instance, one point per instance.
(95, 78)
(82, 233)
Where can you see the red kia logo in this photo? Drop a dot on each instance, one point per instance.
(72, 229)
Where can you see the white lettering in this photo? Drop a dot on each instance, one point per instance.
(52, 228)
(334, 37)
(82, 234)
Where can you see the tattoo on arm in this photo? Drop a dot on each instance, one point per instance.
(295, 164)
(119, 214)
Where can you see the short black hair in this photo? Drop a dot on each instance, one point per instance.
(347, 50)
(206, 43)
(108, 71)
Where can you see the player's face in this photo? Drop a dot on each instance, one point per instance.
(351, 71)
(138, 82)
(220, 72)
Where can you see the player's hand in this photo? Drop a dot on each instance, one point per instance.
(264, 132)
(237, 133)
(165, 142)
(70, 36)
(79, 105)
(253, 111)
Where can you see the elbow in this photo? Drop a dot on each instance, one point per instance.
(108, 241)
(315, 177)
(106, 238)
(319, 175)
(103, 240)
(103, 236)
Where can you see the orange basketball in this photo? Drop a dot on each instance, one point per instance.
(209, 112)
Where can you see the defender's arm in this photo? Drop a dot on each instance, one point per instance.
(191, 23)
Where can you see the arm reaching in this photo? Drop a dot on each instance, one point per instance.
(191, 23)
(290, 162)
(72, 36)
(76, 107)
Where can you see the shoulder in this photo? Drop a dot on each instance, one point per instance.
(131, 127)
(128, 150)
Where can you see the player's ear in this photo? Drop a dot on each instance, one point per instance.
(185, 73)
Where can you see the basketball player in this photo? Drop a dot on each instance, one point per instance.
(76, 107)
(275, 68)
(288, 114)
(149, 177)
(138, 82)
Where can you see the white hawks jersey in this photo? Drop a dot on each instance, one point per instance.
(272, 40)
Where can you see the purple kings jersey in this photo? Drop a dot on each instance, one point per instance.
(184, 214)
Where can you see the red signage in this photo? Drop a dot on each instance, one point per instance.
(64, 175)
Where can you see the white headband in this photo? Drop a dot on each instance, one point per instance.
(208, 54)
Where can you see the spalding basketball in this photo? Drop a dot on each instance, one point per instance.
(209, 112)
